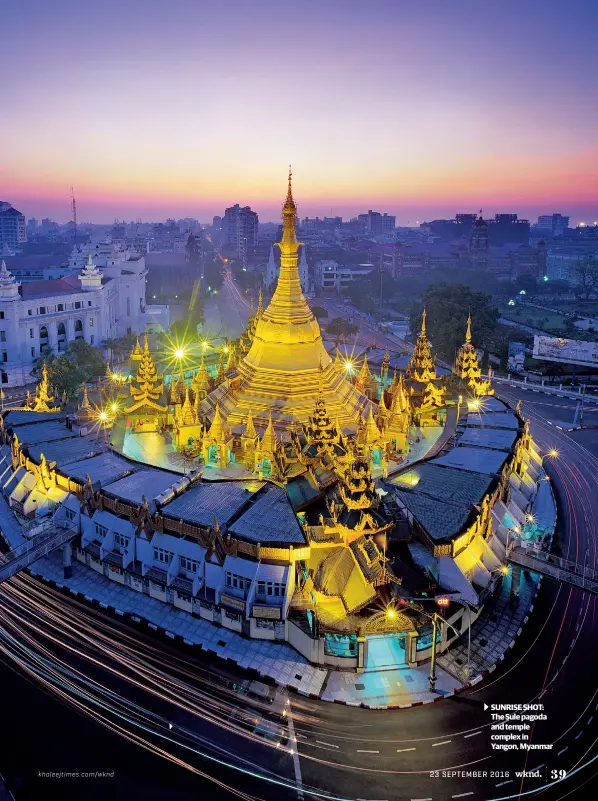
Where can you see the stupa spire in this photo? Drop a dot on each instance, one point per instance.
(250, 432)
(269, 437)
(147, 387)
(43, 398)
(217, 427)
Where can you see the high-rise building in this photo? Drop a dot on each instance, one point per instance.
(13, 231)
(376, 223)
(240, 226)
(557, 224)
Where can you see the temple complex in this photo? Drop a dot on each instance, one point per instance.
(427, 393)
(467, 367)
(279, 492)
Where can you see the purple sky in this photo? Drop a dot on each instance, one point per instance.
(154, 109)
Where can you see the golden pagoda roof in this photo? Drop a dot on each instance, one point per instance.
(281, 370)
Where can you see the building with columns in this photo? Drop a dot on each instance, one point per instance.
(43, 316)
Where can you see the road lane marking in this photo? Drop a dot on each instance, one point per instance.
(444, 742)
(331, 745)
(294, 754)
(421, 799)
(563, 750)
(577, 736)
(363, 751)
(473, 734)
(462, 795)
(400, 750)
(500, 784)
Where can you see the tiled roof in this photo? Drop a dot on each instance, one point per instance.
(46, 289)
(65, 451)
(447, 484)
(150, 483)
(493, 420)
(440, 519)
(497, 438)
(479, 460)
(269, 519)
(13, 419)
(203, 502)
(43, 432)
(103, 469)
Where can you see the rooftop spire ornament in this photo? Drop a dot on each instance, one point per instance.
(43, 399)
(147, 387)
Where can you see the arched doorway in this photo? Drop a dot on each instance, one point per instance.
(78, 329)
(213, 454)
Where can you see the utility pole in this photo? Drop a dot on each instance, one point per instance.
(435, 616)
(74, 210)
(583, 397)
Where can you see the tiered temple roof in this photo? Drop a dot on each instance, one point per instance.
(467, 367)
(281, 371)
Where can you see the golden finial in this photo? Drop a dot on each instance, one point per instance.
(145, 344)
(289, 214)
(468, 332)
(423, 331)
(260, 305)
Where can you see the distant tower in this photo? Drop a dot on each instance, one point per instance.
(479, 243)
(74, 210)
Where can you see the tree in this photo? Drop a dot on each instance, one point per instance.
(366, 293)
(192, 250)
(79, 363)
(120, 347)
(585, 273)
(447, 306)
(558, 286)
(341, 327)
(319, 312)
(527, 283)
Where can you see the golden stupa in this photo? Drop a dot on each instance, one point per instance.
(287, 365)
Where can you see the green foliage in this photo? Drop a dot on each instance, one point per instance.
(319, 312)
(365, 293)
(447, 306)
(586, 275)
(120, 347)
(341, 327)
(79, 363)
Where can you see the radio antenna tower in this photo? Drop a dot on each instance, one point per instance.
(74, 210)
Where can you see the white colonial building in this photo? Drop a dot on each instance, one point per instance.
(88, 303)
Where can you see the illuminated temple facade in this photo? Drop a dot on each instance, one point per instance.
(295, 514)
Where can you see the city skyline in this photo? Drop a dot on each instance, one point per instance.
(157, 113)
